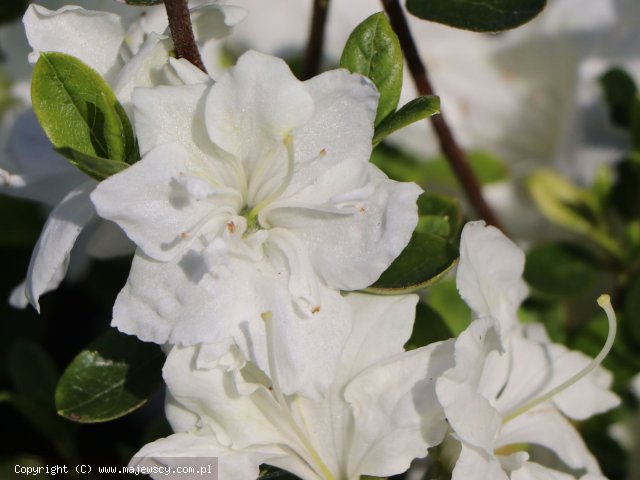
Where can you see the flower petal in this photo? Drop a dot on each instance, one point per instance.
(373, 217)
(545, 426)
(489, 275)
(93, 37)
(476, 463)
(201, 451)
(254, 105)
(396, 412)
(50, 256)
(162, 203)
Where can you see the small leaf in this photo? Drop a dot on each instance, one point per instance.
(446, 209)
(373, 50)
(425, 260)
(110, 378)
(414, 111)
(477, 15)
(571, 207)
(96, 167)
(78, 110)
(619, 92)
(560, 270)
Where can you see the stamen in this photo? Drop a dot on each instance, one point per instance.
(277, 391)
(604, 301)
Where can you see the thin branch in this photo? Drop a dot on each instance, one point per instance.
(313, 54)
(182, 32)
(450, 148)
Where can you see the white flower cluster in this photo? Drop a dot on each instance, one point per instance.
(253, 209)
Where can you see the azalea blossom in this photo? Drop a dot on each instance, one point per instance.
(379, 412)
(510, 384)
(255, 194)
(35, 171)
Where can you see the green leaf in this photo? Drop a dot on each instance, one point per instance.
(571, 207)
(619, 92)
(560, 270)
(477, 15)
(444, 298)
(78, 110)
(373, 50)
(95, 167)
(110, 378)
(413, 111)
(439, 215)
(424, 261)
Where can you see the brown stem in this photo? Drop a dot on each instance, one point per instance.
(450, 148)
(182, 32)
(313, 54)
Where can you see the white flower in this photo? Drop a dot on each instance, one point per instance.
(378, 414)
(36, 171)
(255, 194)
(509, 384)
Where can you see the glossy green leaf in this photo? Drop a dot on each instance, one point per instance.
(373, 50)
(440, 215)
(110, 378)
(571, 207)
(477, 15)
(444, 298)
(78, 110)
(619, 92)
(413, 111)
(425, 260)
(560, 270)
(96, 167)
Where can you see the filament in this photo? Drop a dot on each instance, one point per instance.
(604, 301)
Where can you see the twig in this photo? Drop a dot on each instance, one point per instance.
(182, 32)
(313, 54)
(450, 148)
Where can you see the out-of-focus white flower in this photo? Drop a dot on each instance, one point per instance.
(379, 412)
(498, 395)
(35, 171)
(255, 194)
